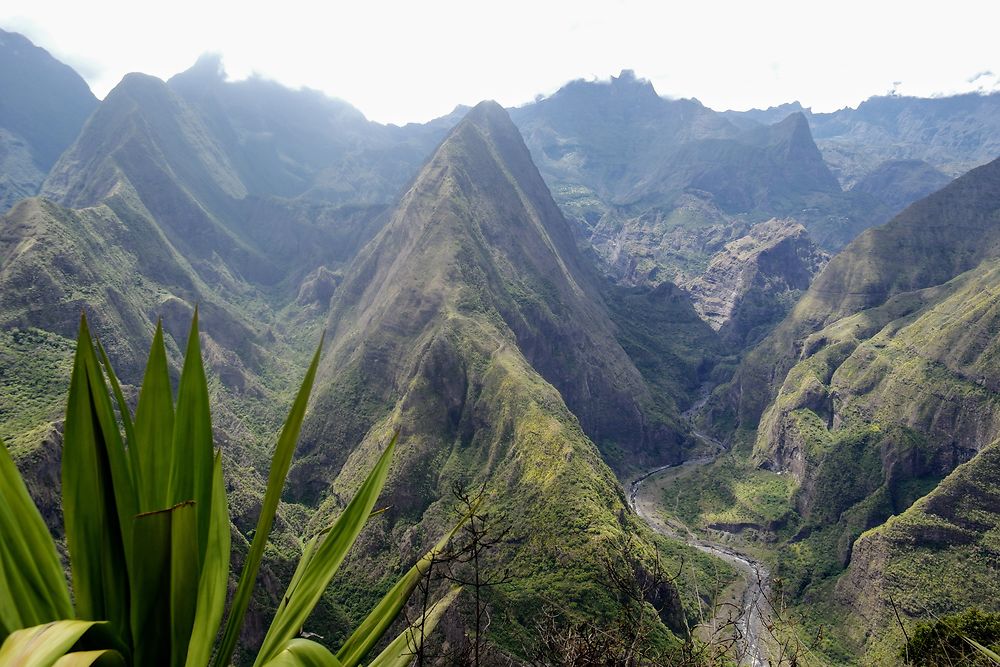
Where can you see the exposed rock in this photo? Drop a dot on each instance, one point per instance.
(318, 287)
(753, 282)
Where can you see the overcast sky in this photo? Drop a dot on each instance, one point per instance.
(414, 60)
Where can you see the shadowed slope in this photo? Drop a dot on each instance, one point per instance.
(469, 323)
(478, 236)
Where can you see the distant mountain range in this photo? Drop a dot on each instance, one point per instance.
(546, 301)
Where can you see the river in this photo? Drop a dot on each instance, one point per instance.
(646, 499)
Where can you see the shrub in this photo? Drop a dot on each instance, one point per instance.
(148, 535)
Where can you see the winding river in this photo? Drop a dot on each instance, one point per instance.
(751, 623)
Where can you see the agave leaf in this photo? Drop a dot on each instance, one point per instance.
(280, 461)
(116, 388)
(42, 645)
(299, 602)
(401, 650)
(214, 576)
(164, 587)
(366, 635)
(31, 578)
(304, 653)
(154, 426)
(192, 452)
(984, 651)
(98, 497)
(101, 658)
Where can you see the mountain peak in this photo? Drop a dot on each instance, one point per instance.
(208, 66)
(488, 111)
(137, 83)
(44, 102)
(627, 80)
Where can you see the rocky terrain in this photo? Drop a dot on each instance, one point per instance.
(755, 280)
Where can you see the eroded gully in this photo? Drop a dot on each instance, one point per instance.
(751, 621)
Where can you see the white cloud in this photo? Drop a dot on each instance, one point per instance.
(402, 61)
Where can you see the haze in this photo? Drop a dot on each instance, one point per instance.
(408, 61)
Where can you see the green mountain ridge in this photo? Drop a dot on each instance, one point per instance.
(535, 299)
(879, 384)
(479, 232)
(459, 325)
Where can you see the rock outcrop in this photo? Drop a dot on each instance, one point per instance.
(755, 280)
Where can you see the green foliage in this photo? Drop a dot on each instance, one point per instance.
(147, 529)
(731, 491)
(953, 640)
(34, 376)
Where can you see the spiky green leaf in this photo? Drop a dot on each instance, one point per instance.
(299, 602)
(164, 584)
(983, 650)
(280, 461)
(31, 578)
(214, 576)
(366, 635)
(101, 658)
(304, 653)
(401, 650)
(98, 496)
(116, 389)
(192, 451)
(42, 645)
(154, 426)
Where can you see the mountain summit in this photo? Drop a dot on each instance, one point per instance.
(478, 239)
(470, 323)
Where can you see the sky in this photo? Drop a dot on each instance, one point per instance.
(412, 61)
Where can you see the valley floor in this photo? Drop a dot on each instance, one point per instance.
(743, 610)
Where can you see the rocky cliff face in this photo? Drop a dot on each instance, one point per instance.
(939, 556)
(753, 282)
(658, 187)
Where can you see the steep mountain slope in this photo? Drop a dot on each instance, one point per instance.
(479, 233)
(754, 281)
(43, 105)
(953, 134)
(608, 136)
(470, 324)
(883, 381)
(928, 244)
(152, 217)
(899, 183)
(293, 143)
(951, 530)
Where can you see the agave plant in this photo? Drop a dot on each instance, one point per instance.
(148, 535)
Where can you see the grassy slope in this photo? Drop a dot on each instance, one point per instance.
(894, 386)
(952, 530)
(441, 328)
